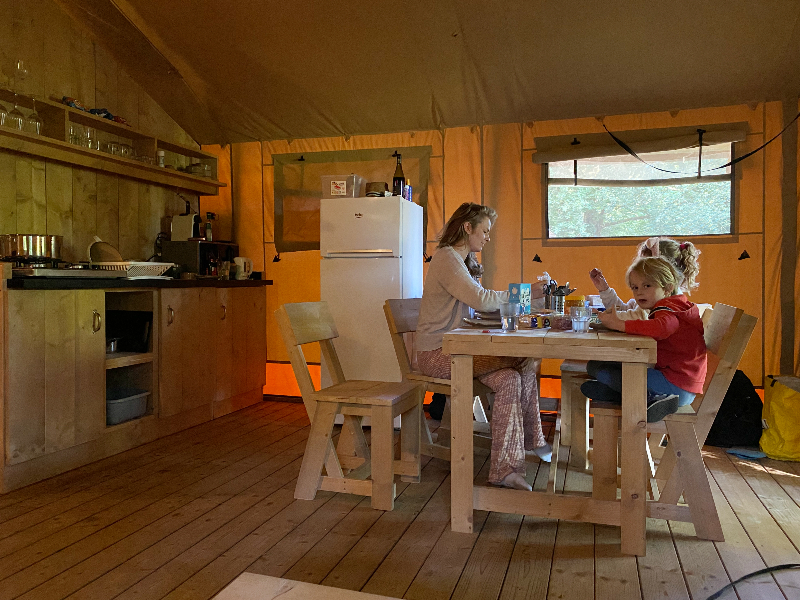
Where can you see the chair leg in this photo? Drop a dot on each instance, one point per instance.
(410, 430)
(352, 449)
(318, 450)
(604, 457)
(383, 488)
(567, 387)
(694, 481)
(580, 430)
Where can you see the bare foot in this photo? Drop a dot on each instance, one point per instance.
(515, 481)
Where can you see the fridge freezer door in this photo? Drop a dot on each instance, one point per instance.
(351, 227)
(355, 290)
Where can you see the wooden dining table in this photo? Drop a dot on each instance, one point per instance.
(634, 352)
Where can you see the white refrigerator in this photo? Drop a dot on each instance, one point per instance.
(371, 251)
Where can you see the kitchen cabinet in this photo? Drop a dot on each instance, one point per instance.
(201, 354)
(56, 379)
(186, 371)
(240, 341)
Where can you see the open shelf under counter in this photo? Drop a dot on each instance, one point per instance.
(126, 359)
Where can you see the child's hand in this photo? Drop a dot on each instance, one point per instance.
(610, 319)
(598, 280)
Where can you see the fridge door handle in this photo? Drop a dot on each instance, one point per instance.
(376, 251)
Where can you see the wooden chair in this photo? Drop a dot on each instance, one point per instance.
(727, 331)
(308, 322)
(402, 316)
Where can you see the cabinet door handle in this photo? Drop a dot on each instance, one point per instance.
(170, 315)
(224, 312)
(97, 321)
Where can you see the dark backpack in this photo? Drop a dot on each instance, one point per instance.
(738, 422)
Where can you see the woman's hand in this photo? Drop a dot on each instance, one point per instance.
(610, 319)
(598, 279)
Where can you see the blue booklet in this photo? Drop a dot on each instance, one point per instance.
(521, 294)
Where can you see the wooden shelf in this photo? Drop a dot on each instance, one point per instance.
(53, 145)
(126, 359)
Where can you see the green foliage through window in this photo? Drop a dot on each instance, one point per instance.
(621, 197)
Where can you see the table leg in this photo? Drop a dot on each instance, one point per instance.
(633, 505)
(461, 469)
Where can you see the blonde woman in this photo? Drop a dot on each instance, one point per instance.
(451, 289)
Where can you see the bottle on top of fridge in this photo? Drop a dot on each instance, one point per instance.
(399, 180)
(407, 193)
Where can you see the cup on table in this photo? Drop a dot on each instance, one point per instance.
(509, 314)
(580, 318)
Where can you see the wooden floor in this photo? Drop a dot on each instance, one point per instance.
(183, 516)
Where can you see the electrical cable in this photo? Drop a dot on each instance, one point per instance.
(630, 151)
(785, 567)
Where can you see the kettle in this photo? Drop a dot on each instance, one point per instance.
(244, 267)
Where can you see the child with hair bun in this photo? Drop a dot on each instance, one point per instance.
(675, 323)
(683, 255)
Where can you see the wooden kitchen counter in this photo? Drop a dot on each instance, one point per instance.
(79, 283)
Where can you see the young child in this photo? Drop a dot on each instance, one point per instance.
(675, 323)
(683, 255)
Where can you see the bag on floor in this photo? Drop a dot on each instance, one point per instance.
(781, 437)
(738, 421)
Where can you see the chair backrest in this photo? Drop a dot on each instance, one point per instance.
(726, 333)
(305, 323)
(401, 317)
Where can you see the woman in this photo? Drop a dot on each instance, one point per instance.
(451, 289)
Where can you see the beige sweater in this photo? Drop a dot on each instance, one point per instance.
(448, 294)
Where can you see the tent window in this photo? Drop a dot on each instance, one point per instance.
(619, 196)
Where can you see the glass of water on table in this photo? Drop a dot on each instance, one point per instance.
(580, 318)
(509, 314)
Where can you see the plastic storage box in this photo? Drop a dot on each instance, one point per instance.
(125, 405)
(343, 186)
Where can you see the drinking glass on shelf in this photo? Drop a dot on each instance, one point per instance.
(75, 134)
(3, 115)
(34, 123)
(90, 139)
(126, 150)
(15, 119)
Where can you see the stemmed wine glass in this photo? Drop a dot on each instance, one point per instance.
(15, 119)
(34, 123)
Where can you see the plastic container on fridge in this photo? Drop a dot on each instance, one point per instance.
(343, 186)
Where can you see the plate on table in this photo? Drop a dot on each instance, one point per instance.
(493, 315)
(490, 323)
(598, 327)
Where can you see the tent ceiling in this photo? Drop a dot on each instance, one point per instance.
(240, 70)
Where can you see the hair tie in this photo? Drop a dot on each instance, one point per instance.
(652, 245)
(684, 245)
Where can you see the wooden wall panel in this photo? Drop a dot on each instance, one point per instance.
(31, 196)
(221, 203)
(58, 191)
(84, 211)
(40, 197)
(8, 199)
(108, 218)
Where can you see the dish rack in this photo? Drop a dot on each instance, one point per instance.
(134, 268)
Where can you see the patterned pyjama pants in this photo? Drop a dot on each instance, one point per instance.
(516, 423)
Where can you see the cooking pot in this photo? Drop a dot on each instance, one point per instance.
(26, 245)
